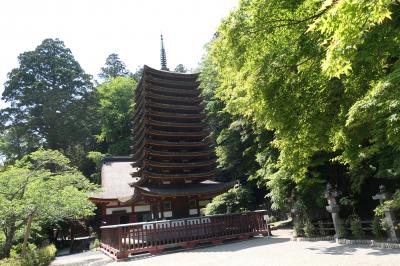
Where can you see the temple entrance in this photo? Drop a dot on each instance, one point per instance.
(180, 208)
(124, 219)
(143, 217)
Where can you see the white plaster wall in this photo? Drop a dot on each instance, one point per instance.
(110, 210)
(193, 211)
(167, 214)
(142, 208)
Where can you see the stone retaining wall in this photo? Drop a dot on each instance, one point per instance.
(344, 241)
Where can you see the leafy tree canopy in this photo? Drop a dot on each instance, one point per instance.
(237, 199)
(115, 111)
(323, 78)
(113, 68)
(42, 186)
(180, 69)
(50, 103)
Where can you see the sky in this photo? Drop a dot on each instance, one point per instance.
(93, 29)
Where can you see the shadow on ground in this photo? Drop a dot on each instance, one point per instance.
(232, 246)
(350, 250)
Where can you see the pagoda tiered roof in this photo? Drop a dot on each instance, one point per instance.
(171, 148)
(203, 188)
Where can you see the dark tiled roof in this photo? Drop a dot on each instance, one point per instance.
(205, 187)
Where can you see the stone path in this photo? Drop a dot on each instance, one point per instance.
(268, 251)
(277, 250)
(90, 258)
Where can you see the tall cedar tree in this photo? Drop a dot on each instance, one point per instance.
(113, 68)
(49, 98)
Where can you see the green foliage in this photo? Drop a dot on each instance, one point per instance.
(237, 199)
(342, 229)
(180, 69)
(51, 105)
(394, 203)
(298, 229)
(96, 243)
(345, 26)
(97, 158)
(45, 186)
(356, 227)
(50, 102)
(17, 249)
(321, 230)
(113, 68)
(35, 257)
(376, 227)
(115, 111)
(241, 147)
(309, 229)
(323, 77)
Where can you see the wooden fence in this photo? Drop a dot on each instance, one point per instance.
(123, 240)
(327, 227)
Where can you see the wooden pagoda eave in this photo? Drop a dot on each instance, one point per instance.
(194, 134)
(168, 74)
(194, 100)
(178, 165)
(152, 104)
(175, 119)
(183, 144)
(138, 151)
(139, 112)
(154, 122)
(138, 141)
(186, 154)
(186, 85)
(189, 176)
(167, 91)
(171, 115)
(139, 91)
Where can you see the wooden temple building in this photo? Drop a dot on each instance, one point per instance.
(170, 174)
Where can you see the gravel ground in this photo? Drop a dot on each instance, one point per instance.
(277, 250)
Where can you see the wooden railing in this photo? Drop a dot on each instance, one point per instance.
(123, 240)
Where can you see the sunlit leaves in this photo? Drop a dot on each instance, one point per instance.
(344, 27)
(322, 76)
(115, 111)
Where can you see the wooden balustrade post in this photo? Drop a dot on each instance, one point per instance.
(119, 232)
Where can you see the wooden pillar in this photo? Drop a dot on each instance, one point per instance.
(197, 206)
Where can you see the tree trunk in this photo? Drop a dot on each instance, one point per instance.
(8, 243)
(26, 236)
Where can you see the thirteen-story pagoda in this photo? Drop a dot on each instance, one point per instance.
(173, 158)
(173, 164)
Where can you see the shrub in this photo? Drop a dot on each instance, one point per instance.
(46, 254)
(377, 228)
(309, 229)
(298, 229)
(16, 250)
(321, 230)
(96, 243)
(355, 227)
(342, 229)
(237, 199)
(34, 257)
(11, 262)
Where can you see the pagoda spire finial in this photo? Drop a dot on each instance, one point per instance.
(163, 56)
